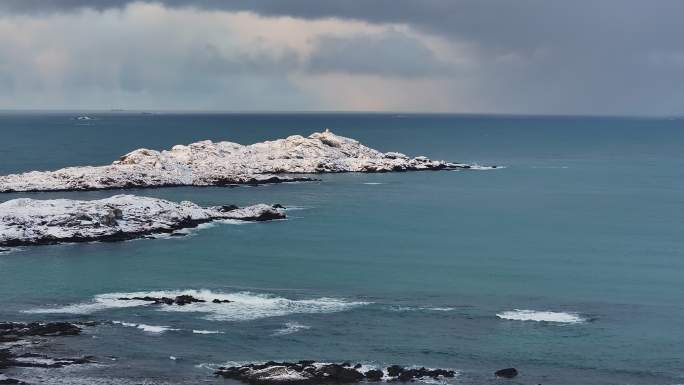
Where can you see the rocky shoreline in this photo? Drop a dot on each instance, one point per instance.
(122, 217)
(18, 342)
(312, 372)
(24, 345)
(208, 163)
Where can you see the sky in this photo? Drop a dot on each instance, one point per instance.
(588, 57)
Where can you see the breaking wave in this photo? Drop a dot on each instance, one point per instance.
(541, 316)
(146, 328)
(243, 306)
(291, 327)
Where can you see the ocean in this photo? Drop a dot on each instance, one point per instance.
(566, 264)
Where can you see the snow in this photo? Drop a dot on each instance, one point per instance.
(29, 221)
(208, 163)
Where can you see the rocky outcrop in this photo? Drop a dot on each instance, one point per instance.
(311, 372)
(15, 331)
(180, 300)
(17, 340)
(121, 217)
(506, 373)
(210, 163)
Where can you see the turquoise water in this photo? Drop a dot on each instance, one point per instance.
(405, 268)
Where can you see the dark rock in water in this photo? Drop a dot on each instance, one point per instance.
(14, 331)
(410, 374)
(87, 323)
(186, 299)
(216, 300)
(506, 373)
(26, 333)
(339, 373)
(394, 370)
(33, 360)
(312, 373)
(178, 300)
(278, 206)
(265, 216)
(374, 375)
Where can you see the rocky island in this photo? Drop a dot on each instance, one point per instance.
(208, 163)
(122, 217)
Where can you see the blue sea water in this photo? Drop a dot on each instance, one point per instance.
(585, 221)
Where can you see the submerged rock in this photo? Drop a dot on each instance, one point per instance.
(11, 381)
(207, 163)
(311, 372)
(506, 373)
(15, 331)
(121, 217)
(216, 300)
(18, 339)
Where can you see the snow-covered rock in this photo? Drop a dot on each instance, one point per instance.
(207, 163)
(121, 217)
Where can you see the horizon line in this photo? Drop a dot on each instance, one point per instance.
(350, 112)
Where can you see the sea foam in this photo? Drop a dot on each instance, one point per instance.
(291, 327)
(195, 331)
(243, 306)
(146, 328)
(419, 308)
(541, 316)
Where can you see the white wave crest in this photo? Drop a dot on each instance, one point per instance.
(291, 327)
(206, 331)
(419, 308)
(243, 306)
(146, 328)
(541, 316)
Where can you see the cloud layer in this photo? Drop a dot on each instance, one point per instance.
(557, 57)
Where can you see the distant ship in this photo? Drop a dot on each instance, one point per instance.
(84, 118)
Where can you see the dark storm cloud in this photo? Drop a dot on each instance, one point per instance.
(504, 23)
(389, 54)
(574, 56)
(577, 27)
